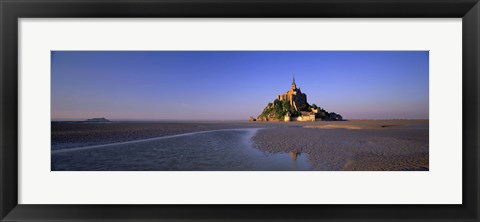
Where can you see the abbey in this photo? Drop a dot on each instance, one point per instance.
(293, 106)
(296, 98)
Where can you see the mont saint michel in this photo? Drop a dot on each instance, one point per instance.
(189, 110)
(293, 106)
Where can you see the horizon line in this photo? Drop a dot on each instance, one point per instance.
(220, 120)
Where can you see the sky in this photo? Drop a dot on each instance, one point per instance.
(234, 85)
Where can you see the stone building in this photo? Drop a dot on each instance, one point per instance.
(287, 118)
(306, 117)
(294, 96)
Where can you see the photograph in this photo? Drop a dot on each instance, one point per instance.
(240, 110)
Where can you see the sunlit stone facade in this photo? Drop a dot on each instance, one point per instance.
(294, 96)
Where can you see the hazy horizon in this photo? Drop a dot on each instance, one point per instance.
(184, 120)
(234, 85)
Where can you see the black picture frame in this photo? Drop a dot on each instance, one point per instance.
(12, 10)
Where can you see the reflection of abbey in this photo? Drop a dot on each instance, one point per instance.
(293, 106)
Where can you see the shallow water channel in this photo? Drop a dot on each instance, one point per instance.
(215, 150)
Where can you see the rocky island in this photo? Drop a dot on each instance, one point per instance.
(293, 106)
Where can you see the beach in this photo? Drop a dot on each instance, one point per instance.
(368, 145)
(355, 145)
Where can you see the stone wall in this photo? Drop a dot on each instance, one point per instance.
(310, 118)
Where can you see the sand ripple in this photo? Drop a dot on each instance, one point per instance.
(368, 147)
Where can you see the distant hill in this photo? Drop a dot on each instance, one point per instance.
(98, 120)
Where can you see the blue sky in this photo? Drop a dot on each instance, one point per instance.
(234, 85)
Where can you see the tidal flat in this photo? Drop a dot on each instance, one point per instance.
(355, 145)
(362, 145)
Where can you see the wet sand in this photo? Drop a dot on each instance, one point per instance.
(362, 145)
(79, 134)
(358, 145)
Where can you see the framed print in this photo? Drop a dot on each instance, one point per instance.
(185, 120)
(227, 110)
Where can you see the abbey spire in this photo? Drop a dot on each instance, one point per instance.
(294, 86)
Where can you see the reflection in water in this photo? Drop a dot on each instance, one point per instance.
(294, 155)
